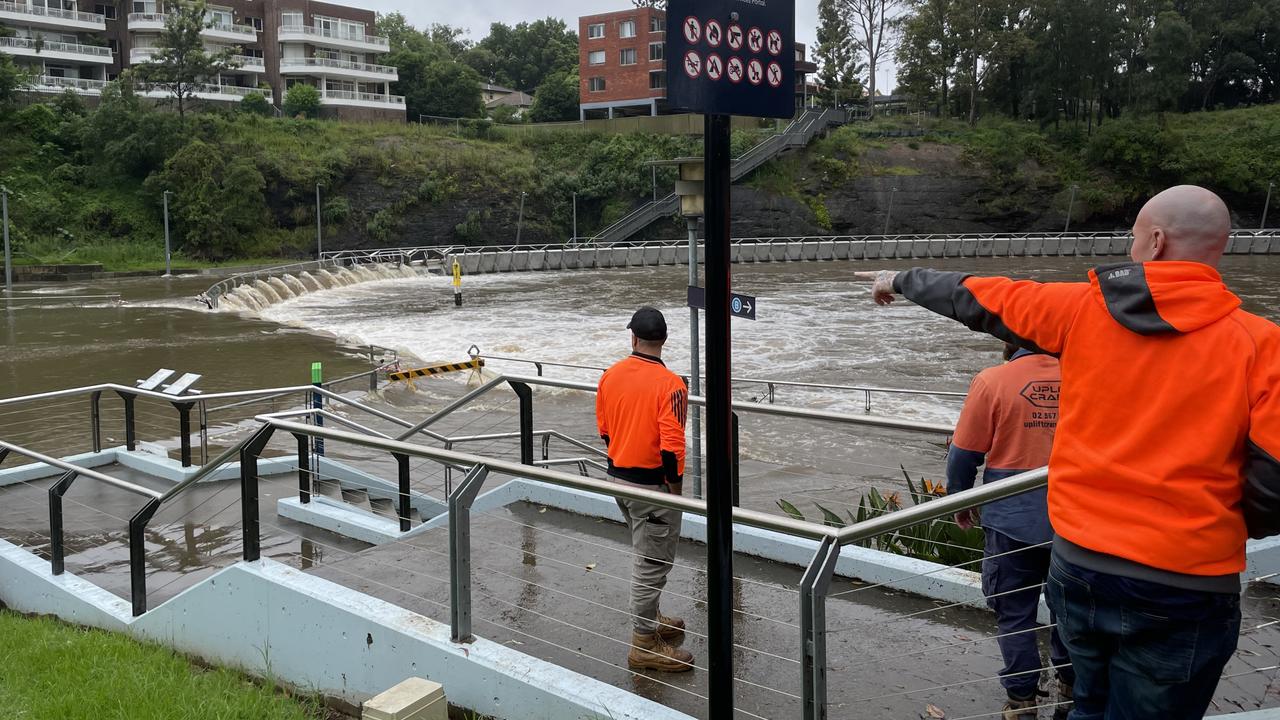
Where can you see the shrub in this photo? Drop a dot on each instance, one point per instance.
(302, 100)
(256, 104)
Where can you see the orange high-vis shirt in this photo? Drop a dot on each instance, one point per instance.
(641, 407)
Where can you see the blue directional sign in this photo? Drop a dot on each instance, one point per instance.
(732, 57)
(743, 306)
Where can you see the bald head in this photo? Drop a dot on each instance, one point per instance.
(1182, 223)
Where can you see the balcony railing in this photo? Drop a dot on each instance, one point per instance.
(248, 31)
(62, 83)
(249, 62)
(314, 62)
(381, 42)
(363, 97)
(142, 55)
(24, 9)
(51, 46)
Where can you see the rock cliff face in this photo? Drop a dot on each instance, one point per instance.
(910, 187)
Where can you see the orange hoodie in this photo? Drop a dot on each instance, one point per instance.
(1166, 447)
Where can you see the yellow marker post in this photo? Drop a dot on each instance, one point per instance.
(457, 283)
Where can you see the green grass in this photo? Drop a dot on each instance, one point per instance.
(53, 671)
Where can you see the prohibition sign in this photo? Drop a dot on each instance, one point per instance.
(755, 72)
(692, 30)
(714, 33)
(755, 39)
(775, 43)
(692, 64)
(735, 70)
(775, 75)
(735, 36)
(715, 67)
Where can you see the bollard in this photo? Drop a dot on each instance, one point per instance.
(317, 402)
(457, 283)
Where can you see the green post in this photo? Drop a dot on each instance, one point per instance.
(317, 402)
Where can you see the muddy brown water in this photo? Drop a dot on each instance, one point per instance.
(534, 588)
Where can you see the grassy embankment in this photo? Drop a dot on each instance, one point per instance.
(53, 671)
(1235, 152)
(87, 185)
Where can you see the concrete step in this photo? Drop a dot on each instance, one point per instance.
(356, 496)
(327, 488)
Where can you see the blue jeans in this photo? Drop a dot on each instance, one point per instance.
(1141, 650)
(1008, 568)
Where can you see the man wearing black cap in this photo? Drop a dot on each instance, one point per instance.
(641, 409)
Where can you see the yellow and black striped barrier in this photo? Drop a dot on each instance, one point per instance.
(473, 364)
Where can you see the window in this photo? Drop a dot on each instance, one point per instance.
(657, 23)
(221, 18)
(627, 29)
(255, 22)
(627, 56)
(595, 57)
(291, 19)
(595, 32)
(658, 80)
(656, 51)
(55, 71)
(114, 45)
(251, 52)
(108, 11)
(144, 6)
(596, 84)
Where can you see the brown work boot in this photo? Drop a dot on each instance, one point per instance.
(651, 652)
(671, 629)
(1066, 698)
(1020, 709)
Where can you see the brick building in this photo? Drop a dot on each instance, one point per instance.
(278, 43)
(622, 65)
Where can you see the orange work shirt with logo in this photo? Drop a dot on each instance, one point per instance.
(641, 407)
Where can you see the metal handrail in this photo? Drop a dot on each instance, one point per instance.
(78, 470)
(336, 35)
(27, 9)
(41, 45)
(286, 63)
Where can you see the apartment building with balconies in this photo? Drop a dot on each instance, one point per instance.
(276, 44)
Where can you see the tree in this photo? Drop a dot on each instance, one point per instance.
(218, 198)
(256, 103)
(12, 80)
(557, 99)
(659, 4)
(926, 53)
(181, 63)
(836, 53)
(523, 56)
(448, 89)
(302, 99)
(873, 25)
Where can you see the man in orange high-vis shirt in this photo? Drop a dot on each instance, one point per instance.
(1006, 428)
(1165, 459)
(641, 408)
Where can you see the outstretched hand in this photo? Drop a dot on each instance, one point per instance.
(882, 289)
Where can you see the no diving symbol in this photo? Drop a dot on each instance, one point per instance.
(692, 30)
(775, 74)
(715, 67)
(713, 33)
(735, 36)
(735, 70)
(755, 72)
(692, 64)
(775, 43)
(755, 40)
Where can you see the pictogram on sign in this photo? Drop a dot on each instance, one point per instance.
(692, 30)
(736, 70)
(755, 72)
(774, 75)
(714, 34)
(735, 36)
(775, 43)
(692, 64)
(755, 40)
(715, 67)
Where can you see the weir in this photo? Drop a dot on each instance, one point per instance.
(475, 545)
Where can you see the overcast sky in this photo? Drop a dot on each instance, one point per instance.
(475, 15)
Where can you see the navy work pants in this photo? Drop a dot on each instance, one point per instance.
(1012, 575)
(1141, 650)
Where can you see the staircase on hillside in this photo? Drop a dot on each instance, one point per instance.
(798, 134)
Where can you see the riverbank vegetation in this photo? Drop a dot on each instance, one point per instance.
(50, 670)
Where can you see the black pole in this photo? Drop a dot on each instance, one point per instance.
(402, 507)
(57, 551)
(130, 425)
(719, 450)
(525, 393)
(304, 469)
(95, 419)
(737, 463)
(184, 430)
(252, 536)
(138, 556)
